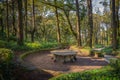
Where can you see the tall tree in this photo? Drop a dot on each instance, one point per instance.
(13, 16)
(1, 21)
(57, 23)
(26, 16)
(20, 23)
(78, 25)
(117, 4)
(33, 21)
(90, 21)
(114, 27)
(7, 24)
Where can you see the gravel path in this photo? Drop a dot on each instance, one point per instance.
(42, 60)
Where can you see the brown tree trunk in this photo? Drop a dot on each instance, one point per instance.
(33, 21)
(78, 25)
(20, 23)
(7, 24)
(2, 27)
(13, 16)
(90, 21)
(117, 3)
(26, 2)
(1, 23)
(71, 28)
(57, 24)
(114, 28)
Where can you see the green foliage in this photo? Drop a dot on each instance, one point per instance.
(3, 44)
(6, 55)
(107, 50)
(31, 46)
(3, 35)
(48, 45)
(13, 46)
(115, 63)
(98, 74)
(99, 46)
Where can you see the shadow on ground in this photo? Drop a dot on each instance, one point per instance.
(42, 60)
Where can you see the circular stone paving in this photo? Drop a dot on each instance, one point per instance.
(42, 60)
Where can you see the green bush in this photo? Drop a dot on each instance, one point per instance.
(48, 45)
(31, 46)
(99, 46)
(98, 74)
(3, 44)
(6, 55)
(107, 50)
(35, 45)
(115, 63)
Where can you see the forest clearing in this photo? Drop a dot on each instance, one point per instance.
(59, 39)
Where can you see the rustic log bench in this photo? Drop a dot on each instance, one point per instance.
(64, 56)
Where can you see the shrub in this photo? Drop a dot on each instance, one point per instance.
(115, 63)
(35, 45)
(107, 50)
(105, 73)
(114, 53)
(48, 45)
(99, 46)
(6, 55)
(3, 44)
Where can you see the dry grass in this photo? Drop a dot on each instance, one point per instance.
(81, 51)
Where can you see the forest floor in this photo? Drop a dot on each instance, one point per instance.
(45, 67)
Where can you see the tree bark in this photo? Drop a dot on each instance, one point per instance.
(114, 28)
(78, 25)
(20, 23)
(7, 24)
(117, 3)
(71, 28)
(57, 24)
(90, 22)
(13, 16)
(33, 21)
(26, 2)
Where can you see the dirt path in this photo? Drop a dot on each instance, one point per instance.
(42, 60)
(23, 74)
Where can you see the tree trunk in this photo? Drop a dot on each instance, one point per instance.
(14, 31)
(20, 23)
(71, 29)
(33, 21)
(26, 2)
(57, 24)
(78, 25)
(2, 27)
(90, 21)
(7, 24)
(114, 28)
(117, 3)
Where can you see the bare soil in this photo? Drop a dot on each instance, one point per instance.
(20, 73)
(43, 61)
